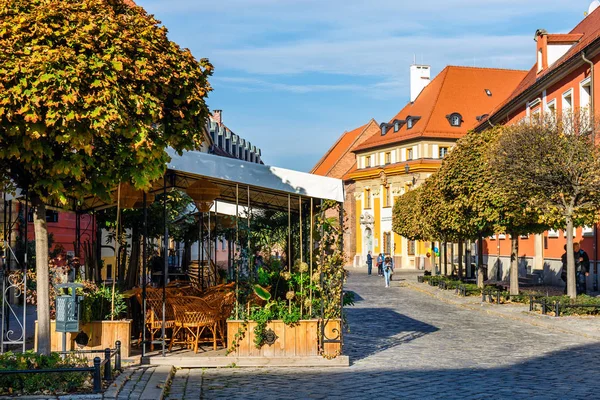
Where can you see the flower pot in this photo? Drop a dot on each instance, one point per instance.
(101, 334)
(299, 340)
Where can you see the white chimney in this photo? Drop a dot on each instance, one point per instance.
(420, 76)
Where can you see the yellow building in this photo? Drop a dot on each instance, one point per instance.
(411, 146)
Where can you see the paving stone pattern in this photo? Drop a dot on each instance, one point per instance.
(135, 385)
(405, 344)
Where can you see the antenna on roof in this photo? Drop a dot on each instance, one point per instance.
(595, 4)
(414, 59)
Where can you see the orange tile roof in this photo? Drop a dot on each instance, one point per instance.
(455, 89)
(588, 28)
(341, 147)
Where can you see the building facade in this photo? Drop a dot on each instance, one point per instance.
(336, 163)
(411, 146)
(564, 78)
(223, 142)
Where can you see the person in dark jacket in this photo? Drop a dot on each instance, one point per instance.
(369, 263)
(380, 259)
(582, 268)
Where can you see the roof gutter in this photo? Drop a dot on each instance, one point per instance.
(546, 79)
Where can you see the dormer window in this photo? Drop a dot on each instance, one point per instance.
(384, 127)
(410, 121)
(488, 92)
(455, 119)
(398, 124)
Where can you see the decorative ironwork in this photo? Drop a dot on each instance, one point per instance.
(15, 283)
(270, 337)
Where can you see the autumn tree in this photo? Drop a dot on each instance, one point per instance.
(92, 92)
(406, 218)
(554, 165)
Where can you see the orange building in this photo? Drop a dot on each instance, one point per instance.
(336, 163)
(564, 77)
(411, 146)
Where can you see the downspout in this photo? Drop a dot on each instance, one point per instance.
(592, 115)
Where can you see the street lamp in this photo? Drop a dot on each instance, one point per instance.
(407, 171)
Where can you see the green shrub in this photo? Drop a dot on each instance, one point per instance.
(96, 305)
(42, 383)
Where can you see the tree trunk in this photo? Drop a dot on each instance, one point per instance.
(571, 276)
(460, 259)
(445, 258)
(514, 265)
(480, 268)
(43, 277)
(98, 250)
(133, 271)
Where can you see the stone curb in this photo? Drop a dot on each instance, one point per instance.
(159, 383)
(115, 387)
(480, 308)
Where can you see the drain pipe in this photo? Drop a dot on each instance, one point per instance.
(592, 116)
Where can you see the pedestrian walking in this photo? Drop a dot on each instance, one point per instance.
(388, 269)
(369, 263)
(380, 259)
(582, 268)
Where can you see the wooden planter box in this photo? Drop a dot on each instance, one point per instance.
(300, 340)
(102, 334)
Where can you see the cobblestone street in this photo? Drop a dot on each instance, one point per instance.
(406, 344)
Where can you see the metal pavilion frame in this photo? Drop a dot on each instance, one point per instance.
(246, 195)
(241, 194)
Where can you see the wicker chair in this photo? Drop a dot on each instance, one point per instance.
(224, 302)
(193, 316)
(154, 315)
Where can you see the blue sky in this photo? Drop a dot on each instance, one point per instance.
(292, 75)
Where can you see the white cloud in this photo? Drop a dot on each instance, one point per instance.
(386, 57)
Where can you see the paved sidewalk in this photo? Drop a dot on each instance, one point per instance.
(407, 344)
(587, 326)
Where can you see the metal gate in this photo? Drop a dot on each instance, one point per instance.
(13, 274)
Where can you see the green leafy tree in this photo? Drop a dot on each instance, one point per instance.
(463, 180)
(554, 165)
(406, 218)
(92, 92)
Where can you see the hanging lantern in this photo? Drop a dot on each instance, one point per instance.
(204, 194)
(131, 197)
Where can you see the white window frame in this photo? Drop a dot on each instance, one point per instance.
(553, 233)
(587, 231)
(440, 151)
(565, 95)
(502, 236)
(551, 108)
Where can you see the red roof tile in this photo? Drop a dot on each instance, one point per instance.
(344, 144)
(455, 89)
(588, 30)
